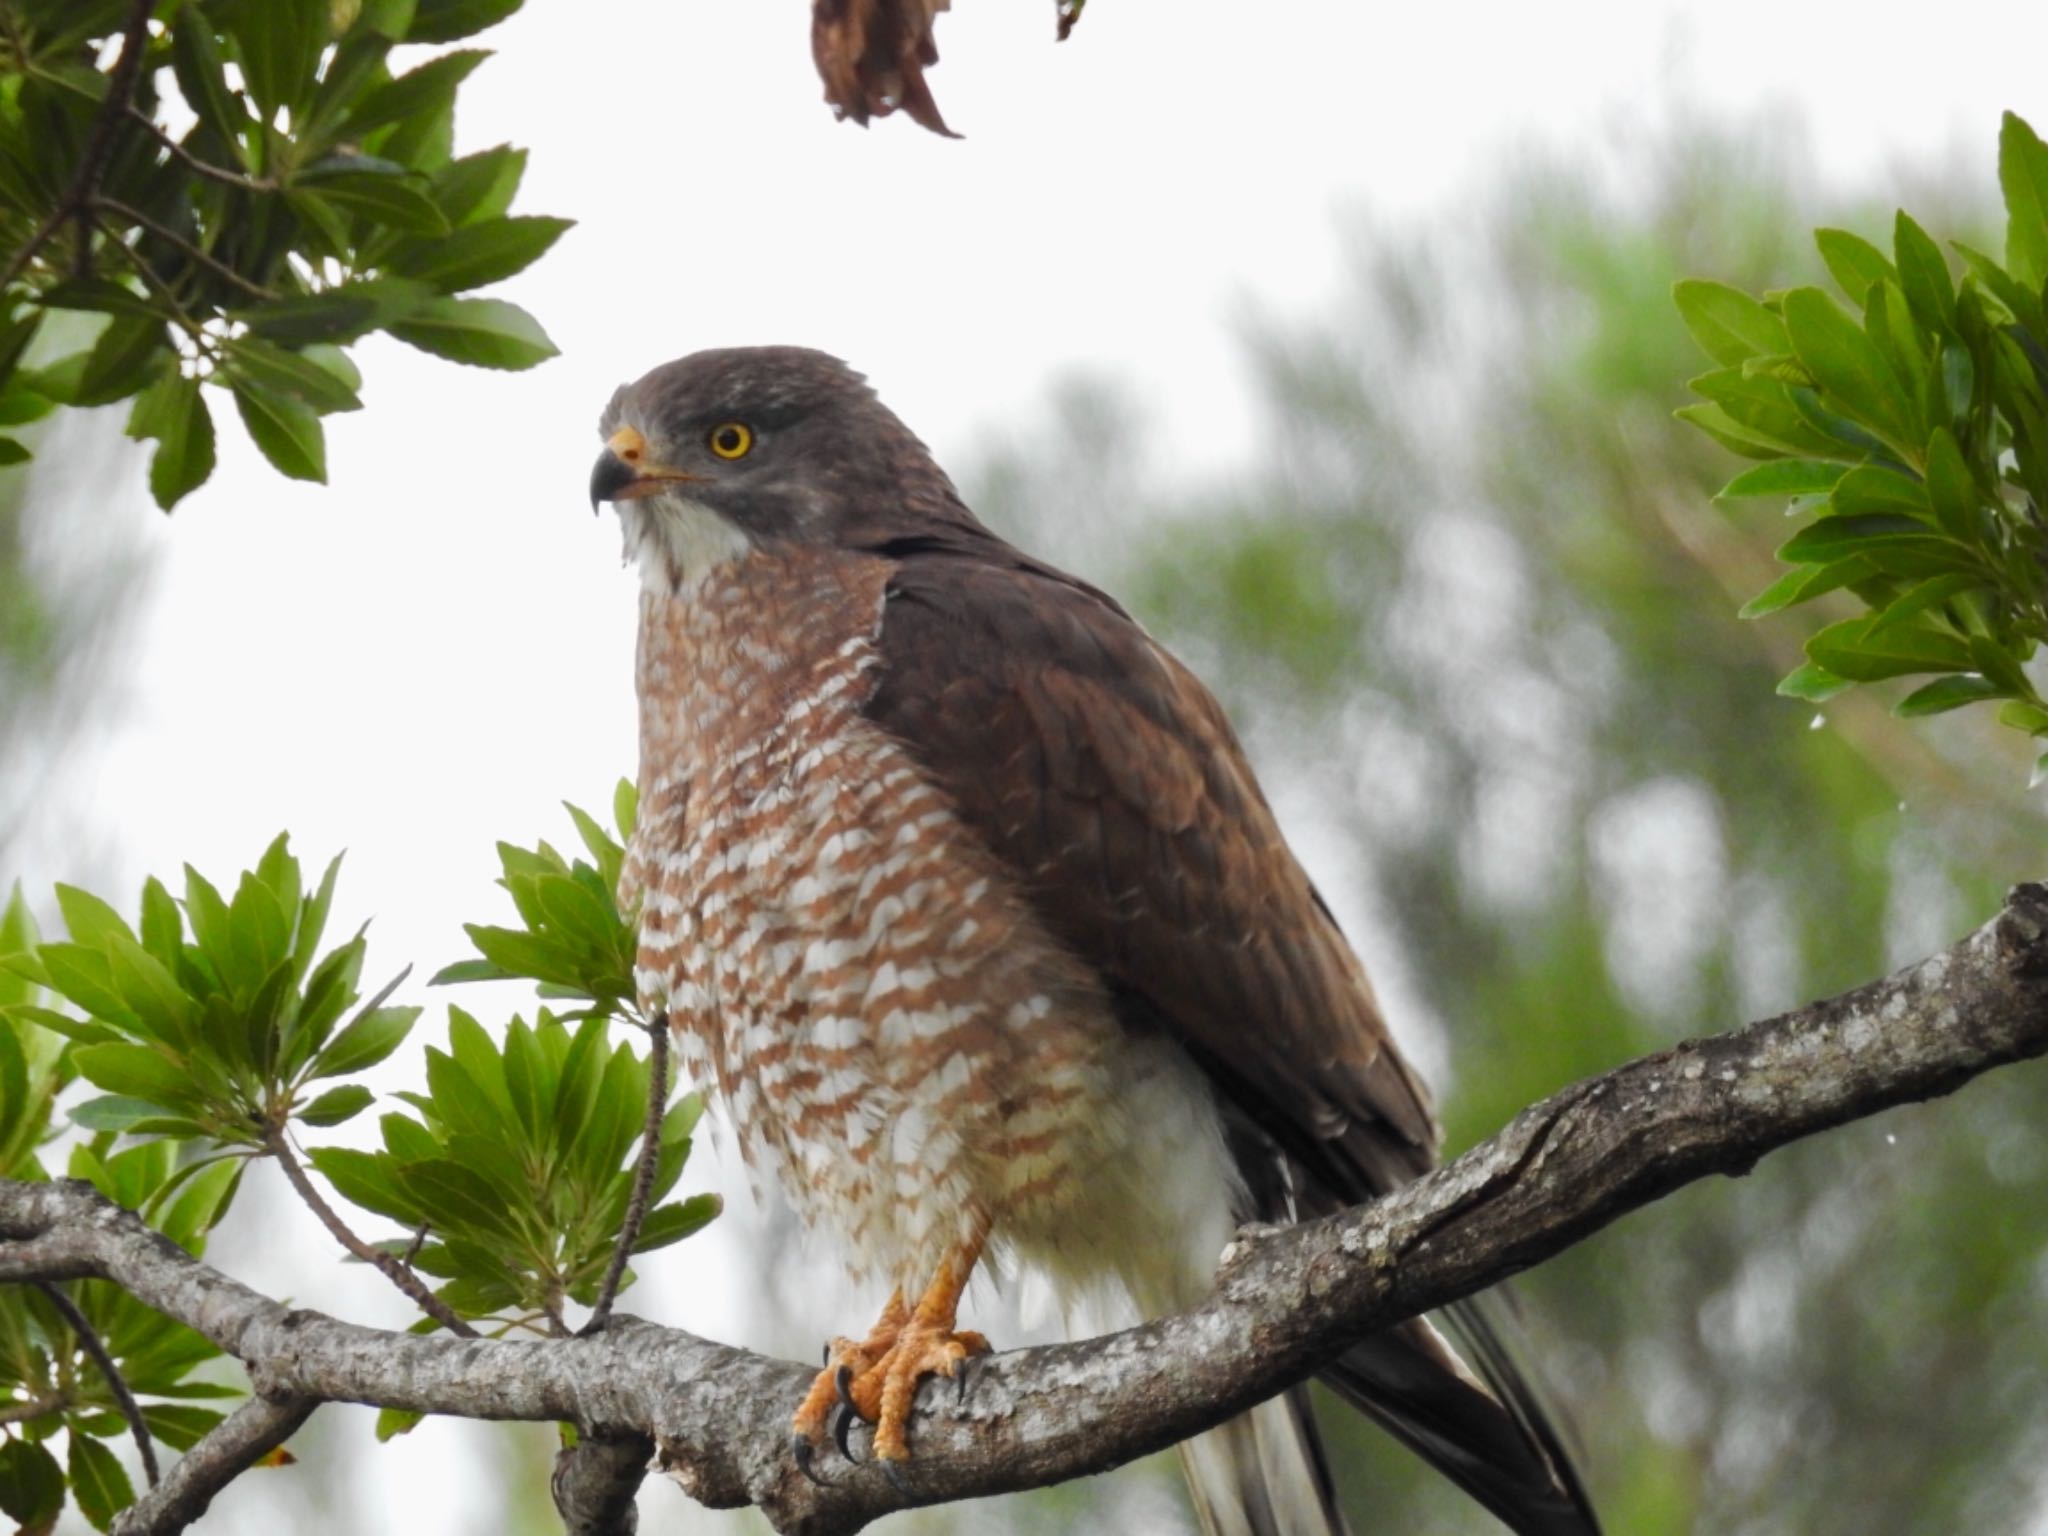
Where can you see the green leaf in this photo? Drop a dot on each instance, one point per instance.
(99, 1483)
(482, 253)
(479, 186)
(174, 413)
(1812, 682)
(88, 919)
(488, 333)
(1924, 275)
(1951, 490)
(1870, 489)
(392, 201)
(12, 453)
(179, 1427)
(1727, 322)
(1844, 359)
(1835, 538)
(393, 1422)
(672, 1223)
(129, 356)
(135, 1071)
(1783, 477)
(338, 314)
(2023, 177)
(446, 21)
(336, 1105)
(278, 43)
(1857, 650)
(1931, 593)
(201, 1203)
(625, 808)
(365, 1042)
(418, 93)
(287, 373)
(31, 1485)
(202, 80)
(287, 431)
(2024, 715)
(365, 1179)
(113, 1112)
(1853, 262)
(1803, 583)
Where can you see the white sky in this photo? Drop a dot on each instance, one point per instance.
(442, 635)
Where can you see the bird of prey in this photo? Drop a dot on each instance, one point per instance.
(959, 890)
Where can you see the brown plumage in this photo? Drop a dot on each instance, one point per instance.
(961, 890)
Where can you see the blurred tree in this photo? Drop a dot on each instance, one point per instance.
(1475, 613)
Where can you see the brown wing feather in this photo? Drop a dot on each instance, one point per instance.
(1104, 773)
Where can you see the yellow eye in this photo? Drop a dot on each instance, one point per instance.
(731, 440)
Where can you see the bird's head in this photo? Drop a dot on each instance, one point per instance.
(726, 451)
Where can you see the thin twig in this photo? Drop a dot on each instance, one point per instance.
(89, 1340)
(398, 1274)
(643, 1175)
(92, 160)
(196, 165)
(34, 1408)
(223, 1454)
(170, 236)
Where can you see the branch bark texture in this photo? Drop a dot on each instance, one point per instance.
(1286, 1299)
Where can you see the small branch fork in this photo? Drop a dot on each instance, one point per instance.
(1286, 1300)
(399, 1272)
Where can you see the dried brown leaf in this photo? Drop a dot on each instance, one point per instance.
(872, 55)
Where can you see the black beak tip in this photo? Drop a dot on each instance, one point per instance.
(608, 477)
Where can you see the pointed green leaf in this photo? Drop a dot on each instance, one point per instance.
(1784, 477)
(337, 1105)
(31, 1485)
(480, 254)
(173, 412)
(99, 1483)
(88, 919)
(285, 429)
(1811, 682)
(1853, 262)
(2023, 177)
(278, 43)
(1844, 359)
(365, 1042)
(479, 186)
(1727, 322)
(1924, 275)
(1805, 582)
(673, 1223)
(135, 1071)
(416, 94)
(367, 1180)
(487, 333)
(130, 355)
(287, 373)
(394, 201)
(1853, 649)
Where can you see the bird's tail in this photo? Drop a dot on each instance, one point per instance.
(1263, 1474)
(1471, 1414)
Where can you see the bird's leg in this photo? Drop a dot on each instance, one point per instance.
(926, 1345)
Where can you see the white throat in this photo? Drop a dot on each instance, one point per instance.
(677, 542)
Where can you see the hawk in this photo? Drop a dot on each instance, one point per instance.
(960, 891)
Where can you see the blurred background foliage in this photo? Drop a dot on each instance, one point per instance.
(1475, 613)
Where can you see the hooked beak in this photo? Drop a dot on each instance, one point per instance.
(624, 471)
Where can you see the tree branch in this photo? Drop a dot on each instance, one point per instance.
(1287, 1299)
(90, 1341)
(223, 1454)
(398, 1273)
(92, 159)
(643, 1174)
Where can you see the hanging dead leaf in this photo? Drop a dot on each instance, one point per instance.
(278, 1458)
(872, 55)
(1070, 13)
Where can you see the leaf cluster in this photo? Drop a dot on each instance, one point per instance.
(520, 1163)
(314, 199)
(212, 1025)
(218, 1034)
(1911, 430)
(42, 1359)
(573, 939)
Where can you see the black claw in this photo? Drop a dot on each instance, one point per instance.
(893, 1470)
(960, 1374)
(842, 1428)
(844, 1382)
(801, 1451)
(827, 1360)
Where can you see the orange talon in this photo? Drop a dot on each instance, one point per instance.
(900, 1352)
